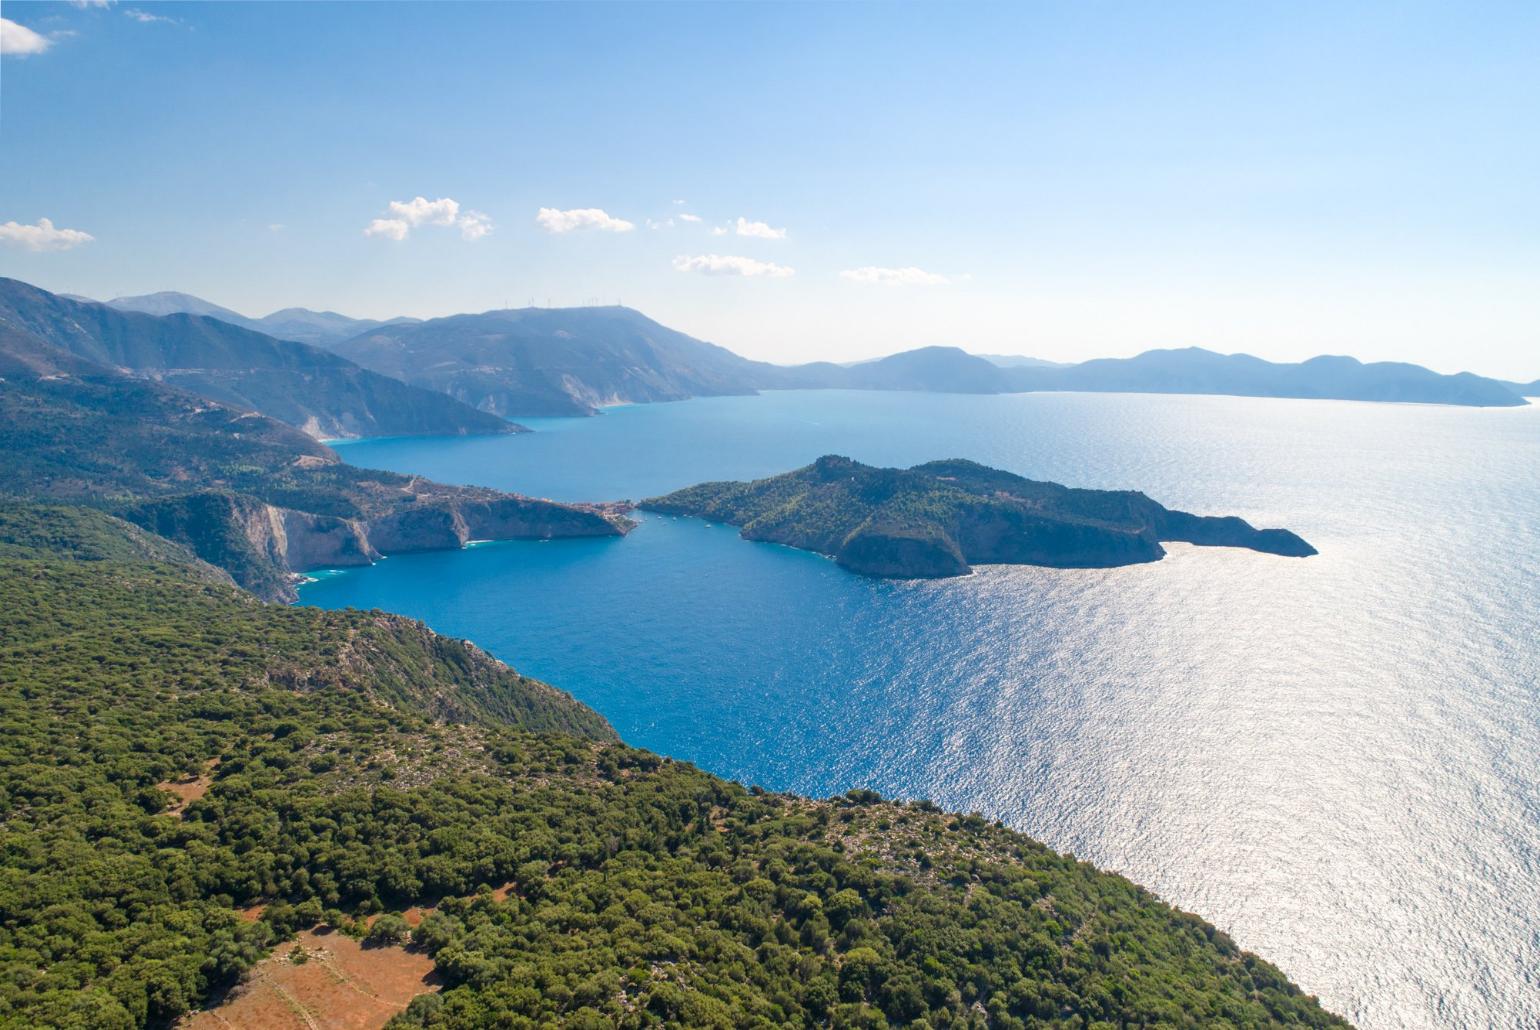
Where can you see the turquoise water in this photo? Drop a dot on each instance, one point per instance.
(1335, 759)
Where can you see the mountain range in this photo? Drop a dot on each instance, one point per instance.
(574, 361)
(303, 386)
(300, 324)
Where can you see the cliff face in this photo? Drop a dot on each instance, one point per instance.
(938, 519)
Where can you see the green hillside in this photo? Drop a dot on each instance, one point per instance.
(357, 763)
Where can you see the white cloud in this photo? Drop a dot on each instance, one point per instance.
(406, 215)
(83, 4)
(146, 18)
(20, 41)
(552, 220)
(42, 236)
(759, 230)
(667, 223)
(910, 276)
(276, 227)
(394, 228)
(422, 211)
(689, 218)
(474, 225)
(719, 264)
(719, 230)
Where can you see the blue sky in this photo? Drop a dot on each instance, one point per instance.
(1068, 180)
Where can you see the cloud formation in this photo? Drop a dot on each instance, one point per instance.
(759, 230)
(689, 218)
(909, 276)
(720, 264)
(145, 17)
(553, 220)
(20, 41)
(402, 216)
(42, 236)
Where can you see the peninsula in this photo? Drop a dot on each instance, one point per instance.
(940, 518)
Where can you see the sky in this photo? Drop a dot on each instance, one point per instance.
(804, 181)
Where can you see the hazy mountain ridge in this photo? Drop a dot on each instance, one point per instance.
(301, 324)
(574, 361)
(301, 385)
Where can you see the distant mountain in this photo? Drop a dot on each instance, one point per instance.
(1019, 361)
(304, 386)
(941, 518)
(1195, 370)
(554, 361)
(302, 324)
(1526, 389)
(248, 494)
(943, 369)
(573, 361)
(170, 302)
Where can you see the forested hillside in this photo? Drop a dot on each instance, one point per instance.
(344, 764)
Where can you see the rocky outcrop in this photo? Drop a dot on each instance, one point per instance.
(441, 525)
(1229, 531)
(422, 528)
(941, 518)
(307, 541)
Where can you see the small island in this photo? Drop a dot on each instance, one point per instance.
(941, 518)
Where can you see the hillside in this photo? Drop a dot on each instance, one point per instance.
(255, 497)
(300, 385)
(88, 535)
(302, 324)
(938, 519)
(190, 776)
(543, 361)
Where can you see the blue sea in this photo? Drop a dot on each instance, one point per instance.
(1335, 759)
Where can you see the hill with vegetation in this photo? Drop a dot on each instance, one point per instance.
(303, 386)
(255, 497)
(939, 518)
(190, 776)
(88, 535)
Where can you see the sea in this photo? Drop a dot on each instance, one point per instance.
(1334, 759)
